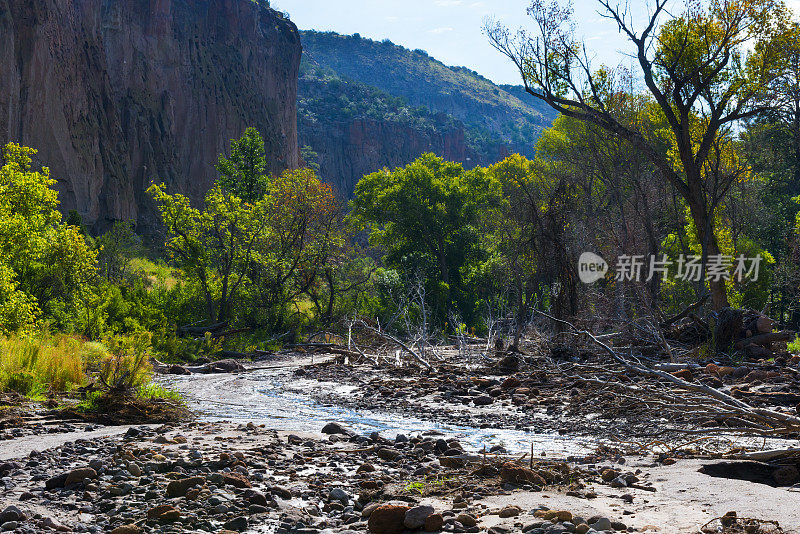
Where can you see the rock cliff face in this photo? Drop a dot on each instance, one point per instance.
(116, 94)
(346, 151)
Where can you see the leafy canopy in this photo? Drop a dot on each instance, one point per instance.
(45, 265)
(244, 173)
(427, 216)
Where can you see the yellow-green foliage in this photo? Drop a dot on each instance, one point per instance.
(33, 364)
(156, 274)
(45, 265)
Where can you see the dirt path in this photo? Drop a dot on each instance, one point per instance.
(19, 447)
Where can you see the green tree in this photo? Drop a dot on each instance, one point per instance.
(116, 249)
(213, 246)
(244, 173)
(427, 216)
(302, 246)
(45, 265)
(706, 69)
(253, 258)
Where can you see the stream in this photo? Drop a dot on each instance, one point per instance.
(275, 397)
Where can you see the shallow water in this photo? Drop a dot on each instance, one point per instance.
(282, 401)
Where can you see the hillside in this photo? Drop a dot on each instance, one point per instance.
(401, 103)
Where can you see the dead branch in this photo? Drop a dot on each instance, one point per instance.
(758, 421)
(691, 308)
(765, 339)
(389, 337)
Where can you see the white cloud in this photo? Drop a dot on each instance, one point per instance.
(448, 3)
(439, 31)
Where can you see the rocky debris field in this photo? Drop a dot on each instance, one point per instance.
(548, 394)
(216, 477)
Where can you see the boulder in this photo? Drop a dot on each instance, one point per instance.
(237, 480)
(415, 517)
(387, 519)
(71, 477)
(365, 468)
(434, 522)
(336, 428)
(786, 475)
(237, 524)
(509, 364)
(468, 520)
(164, 512)
(510, 511)
(385, 453)
(12, 513)
(511, 382)
(516, 474)
(338, 494)
(178, 488)
(482, 400)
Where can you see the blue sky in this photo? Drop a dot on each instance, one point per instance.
(450, 30)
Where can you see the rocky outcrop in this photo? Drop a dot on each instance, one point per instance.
(118, 94)
(346, 151)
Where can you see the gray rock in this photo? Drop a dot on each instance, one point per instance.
(11, 513)
(338, 494)
(619, 482)
(603, 523)
(415, 517)
(238, 524)
(336, 428)
(483, 400)
(368, 509)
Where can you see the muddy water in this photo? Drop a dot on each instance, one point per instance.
(277, 398)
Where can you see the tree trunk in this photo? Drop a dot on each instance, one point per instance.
(521, 312)
(710, 247)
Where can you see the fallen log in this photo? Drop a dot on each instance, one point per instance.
(327, 347)
(764, 456)
(765, 339)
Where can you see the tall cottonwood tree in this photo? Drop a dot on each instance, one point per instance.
(706, 69)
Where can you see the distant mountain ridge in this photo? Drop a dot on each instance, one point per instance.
(365, 104)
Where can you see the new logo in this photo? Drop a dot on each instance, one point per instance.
(591, 267)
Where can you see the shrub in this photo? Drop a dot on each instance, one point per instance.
(127, 367)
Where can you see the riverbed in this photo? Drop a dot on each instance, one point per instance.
(272, 395)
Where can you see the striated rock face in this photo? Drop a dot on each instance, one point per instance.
(118, 94)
